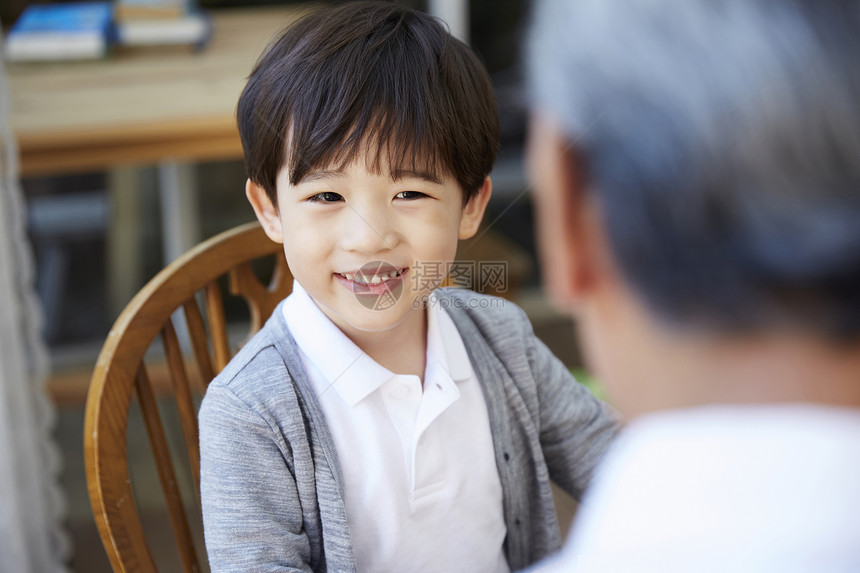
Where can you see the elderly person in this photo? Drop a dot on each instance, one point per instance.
(697, 175)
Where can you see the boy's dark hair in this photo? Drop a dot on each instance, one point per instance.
(721, 140)
(368, 77)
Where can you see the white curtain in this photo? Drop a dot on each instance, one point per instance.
(31, 501)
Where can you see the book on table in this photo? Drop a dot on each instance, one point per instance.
(161, 23)
(73, 31)
(150, 9)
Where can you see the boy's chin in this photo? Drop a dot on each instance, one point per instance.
(366, 317)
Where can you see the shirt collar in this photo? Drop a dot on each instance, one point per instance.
(444, 343)
(350, 370)
(344, 366)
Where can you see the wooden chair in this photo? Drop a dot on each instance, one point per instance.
(121, 373)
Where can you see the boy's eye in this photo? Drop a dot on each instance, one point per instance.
(409, 195)
(325, 197)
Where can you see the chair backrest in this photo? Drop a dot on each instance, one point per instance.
(121, 374)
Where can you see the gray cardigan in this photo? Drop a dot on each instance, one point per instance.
(271, 485)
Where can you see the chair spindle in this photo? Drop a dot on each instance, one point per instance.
(217, 326)
(166, 474)
(184, 403)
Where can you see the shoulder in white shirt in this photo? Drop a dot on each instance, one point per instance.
(717, 489)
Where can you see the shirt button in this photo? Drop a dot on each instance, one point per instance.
(400, 391)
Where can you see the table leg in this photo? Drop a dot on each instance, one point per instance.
(455, 13)
(124, 237)
(180, 221)
(179, 213)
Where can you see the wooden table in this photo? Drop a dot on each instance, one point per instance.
(164, 106)
(142, 106)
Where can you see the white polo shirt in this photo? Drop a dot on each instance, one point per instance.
(422, 491)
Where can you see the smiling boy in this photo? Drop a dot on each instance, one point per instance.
(377, 423)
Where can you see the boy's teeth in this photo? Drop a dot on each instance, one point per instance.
(371, 279)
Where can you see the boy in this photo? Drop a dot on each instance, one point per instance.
(699, 202)
(373, 424)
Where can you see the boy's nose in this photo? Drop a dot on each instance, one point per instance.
(368, 231)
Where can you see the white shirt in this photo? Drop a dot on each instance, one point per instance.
(421, 487)
(725, 489)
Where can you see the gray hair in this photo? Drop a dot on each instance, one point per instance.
(722, 141)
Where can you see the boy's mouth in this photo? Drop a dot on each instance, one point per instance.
(374, 279)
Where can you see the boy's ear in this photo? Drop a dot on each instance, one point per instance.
(473, 212)
(266, 212)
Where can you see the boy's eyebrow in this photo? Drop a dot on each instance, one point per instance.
(318, 175)
(398, 174)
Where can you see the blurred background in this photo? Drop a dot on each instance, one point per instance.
(129, 156)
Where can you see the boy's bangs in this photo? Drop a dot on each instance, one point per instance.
(388, 146)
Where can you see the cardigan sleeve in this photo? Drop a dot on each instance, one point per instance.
(252, 516)
(575, 427)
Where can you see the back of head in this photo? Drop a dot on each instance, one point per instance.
(722, 141)
(373, 80)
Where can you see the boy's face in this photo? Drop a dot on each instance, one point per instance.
(365, 246)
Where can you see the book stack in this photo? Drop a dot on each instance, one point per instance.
(161, 23)
(74, 31)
